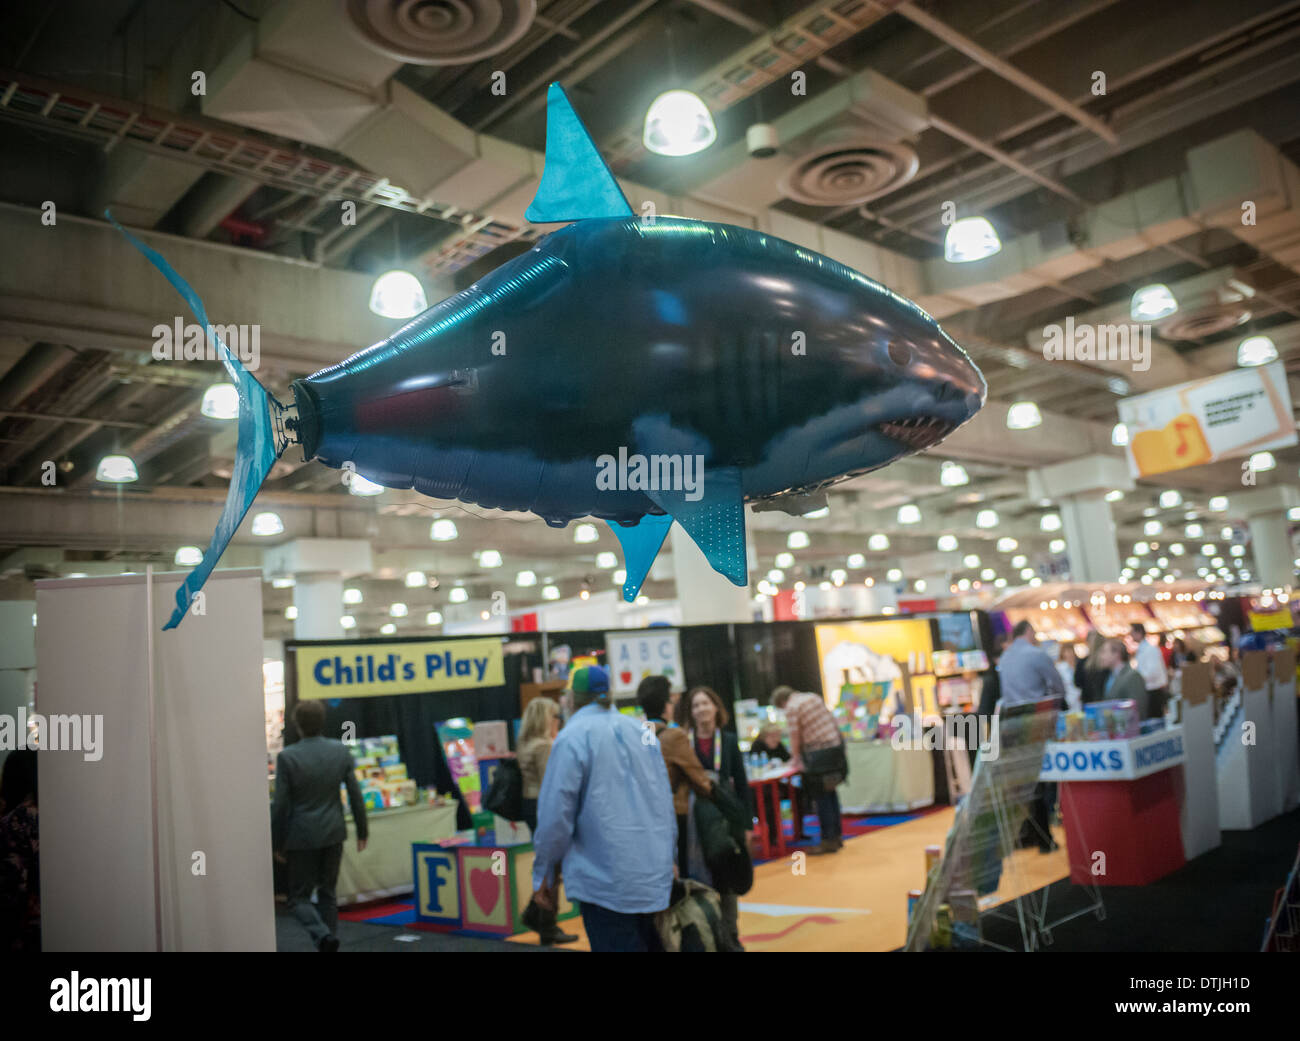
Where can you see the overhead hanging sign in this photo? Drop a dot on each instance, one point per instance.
(1236, 413)
(352, 670)
(632, 656)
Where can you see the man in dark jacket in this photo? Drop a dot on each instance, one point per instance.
(307, 821)
(1123, 682)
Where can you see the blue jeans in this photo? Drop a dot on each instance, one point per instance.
(612, 931)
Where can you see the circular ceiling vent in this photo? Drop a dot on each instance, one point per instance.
(848, 174)
(1199, 322)
(441, 32)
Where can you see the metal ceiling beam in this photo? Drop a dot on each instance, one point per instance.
(1184, 32)
(521, 94)
(997, 66)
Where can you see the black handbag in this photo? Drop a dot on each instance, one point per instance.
(830, 763)
(506, 794)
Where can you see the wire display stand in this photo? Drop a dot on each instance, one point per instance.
(1283, 932)
(982, 841)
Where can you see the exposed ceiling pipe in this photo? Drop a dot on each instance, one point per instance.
(67, 438)
(521, 94)
(213, 200)
(995, 153)
(1069, 17)
(998, 67)
(38, 365)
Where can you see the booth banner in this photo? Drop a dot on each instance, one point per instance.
(1235, 413)
(1121, 759)
(872, 652)
(632, 656)
(351, 670)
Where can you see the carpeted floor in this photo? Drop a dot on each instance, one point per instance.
(401, 913)
(357, 937)
(1217, 902)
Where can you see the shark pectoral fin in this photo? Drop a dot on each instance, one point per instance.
(641, 544)
(715, 522)
(576, 183)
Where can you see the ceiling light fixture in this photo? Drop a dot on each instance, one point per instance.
(1256, 350)
(971, 238)
(397, 294)
(678, 123)
(953, 475)
(116, 469)
(221, 401)
(1023, 415)
(1151, 303)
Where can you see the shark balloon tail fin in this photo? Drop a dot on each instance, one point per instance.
(715, 521)
(641, 544)
(261, 437)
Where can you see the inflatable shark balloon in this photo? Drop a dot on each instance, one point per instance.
(639, 370)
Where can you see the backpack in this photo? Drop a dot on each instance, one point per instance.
(720, 823)
(693, 921)
(506, 795)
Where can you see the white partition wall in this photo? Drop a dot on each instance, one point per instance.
(1247, 778)
(1200, 804)
(200, 784)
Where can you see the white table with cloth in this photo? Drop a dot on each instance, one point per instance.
(883, 779)
(384, 869)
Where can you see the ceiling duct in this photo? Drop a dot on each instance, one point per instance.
(1239, 182)
(1243, 184)
(1199, 323)
(847, 172)
(844, 147)
(447, 32)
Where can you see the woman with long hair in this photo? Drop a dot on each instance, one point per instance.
(718, 752)
(537, 731)
(1089, 673)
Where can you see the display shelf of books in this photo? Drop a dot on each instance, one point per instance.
(377, 763)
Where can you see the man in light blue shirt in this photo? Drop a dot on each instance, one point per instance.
(1025, 672)
(605, 812)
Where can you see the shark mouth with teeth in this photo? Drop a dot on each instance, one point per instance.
(917, 432)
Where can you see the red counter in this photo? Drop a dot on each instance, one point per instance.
(1133, 823)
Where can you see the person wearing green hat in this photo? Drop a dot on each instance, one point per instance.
(605, 814)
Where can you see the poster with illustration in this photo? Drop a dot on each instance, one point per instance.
(632, 656)
(872, 652)
(1235, 413)
(457, 739)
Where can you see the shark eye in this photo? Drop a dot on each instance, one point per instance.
(900, 354)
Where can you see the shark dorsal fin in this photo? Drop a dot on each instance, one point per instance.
(576, 183)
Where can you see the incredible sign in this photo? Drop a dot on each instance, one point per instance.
(353, 670)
